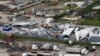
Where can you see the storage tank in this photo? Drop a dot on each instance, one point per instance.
(72, 55)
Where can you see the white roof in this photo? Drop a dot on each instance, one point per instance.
(82, 33)
(76, 29)
(77, 34)
(68, 31)
(97, 7)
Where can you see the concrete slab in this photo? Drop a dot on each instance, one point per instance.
(3, 52)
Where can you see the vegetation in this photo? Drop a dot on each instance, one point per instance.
(92, 22)
(89, 8)
(25, 38)
(88, 21)
(61, 20)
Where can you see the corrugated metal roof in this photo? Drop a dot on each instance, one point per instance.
(94, 39)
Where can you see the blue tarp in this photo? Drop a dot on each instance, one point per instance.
(7, 28)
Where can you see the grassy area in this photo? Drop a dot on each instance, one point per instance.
(60, 20)
(71, 8)
(2, 36)
(92, 22)
(67, 8)
(25, 38)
